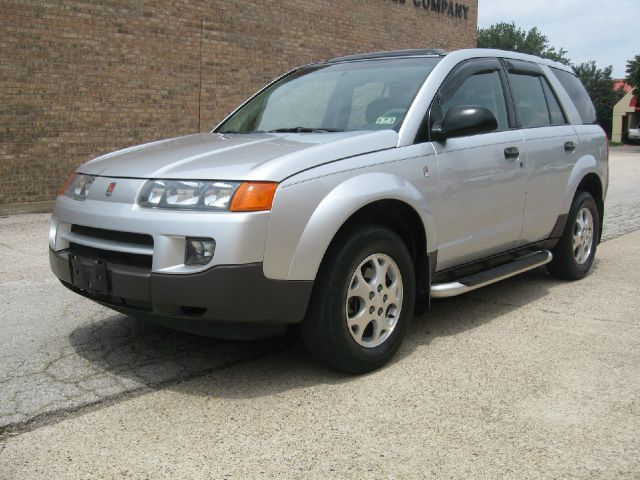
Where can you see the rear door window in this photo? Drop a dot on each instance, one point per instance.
(530, 100)
(555, 112)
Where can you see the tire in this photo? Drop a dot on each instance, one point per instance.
(356, 327)
(574, 253)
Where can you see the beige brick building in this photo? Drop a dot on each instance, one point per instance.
(81, 78)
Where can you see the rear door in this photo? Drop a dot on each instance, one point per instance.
(480, 176)
(551, 147)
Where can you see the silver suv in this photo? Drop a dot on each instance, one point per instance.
(341, 197)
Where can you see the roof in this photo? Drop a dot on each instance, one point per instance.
(414, 52)
(621, 84)
(458, 54)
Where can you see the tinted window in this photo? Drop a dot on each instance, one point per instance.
(530, 101)
(481, 90)
(578, 95)
(557, 118)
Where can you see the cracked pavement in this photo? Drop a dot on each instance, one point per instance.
(531, 378)
(60, 352)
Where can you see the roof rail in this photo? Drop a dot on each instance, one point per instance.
(391, 53)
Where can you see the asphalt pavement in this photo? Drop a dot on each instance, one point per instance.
(622, 206)
(528, 378)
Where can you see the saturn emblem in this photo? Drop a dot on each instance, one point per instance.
(110, 189)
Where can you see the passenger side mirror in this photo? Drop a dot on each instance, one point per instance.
(464, 120)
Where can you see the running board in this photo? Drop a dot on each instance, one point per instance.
(493, 275)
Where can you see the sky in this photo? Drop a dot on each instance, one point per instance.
(605, 31)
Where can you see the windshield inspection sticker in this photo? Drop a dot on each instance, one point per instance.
(386, 120)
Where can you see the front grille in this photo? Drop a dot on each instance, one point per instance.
(99, 246)
(121, 258)
(114, 235)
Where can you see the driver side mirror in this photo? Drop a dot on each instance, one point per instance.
(464, 120)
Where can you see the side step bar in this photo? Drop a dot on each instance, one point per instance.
(481, 279)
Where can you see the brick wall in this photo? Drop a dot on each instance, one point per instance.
(82, 78)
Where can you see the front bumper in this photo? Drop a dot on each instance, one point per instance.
(232, 301)
(239, 236)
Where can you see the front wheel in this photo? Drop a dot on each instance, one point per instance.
(574, 253)
(363, 300)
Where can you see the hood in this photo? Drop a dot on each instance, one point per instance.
(259, 156)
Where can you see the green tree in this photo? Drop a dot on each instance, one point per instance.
(507, 36)
(599, 84)
(633, 75)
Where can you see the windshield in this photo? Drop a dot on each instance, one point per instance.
(364, 95)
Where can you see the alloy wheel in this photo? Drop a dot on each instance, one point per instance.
(374, 300)
(583, 236)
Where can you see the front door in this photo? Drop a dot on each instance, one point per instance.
(480, 177)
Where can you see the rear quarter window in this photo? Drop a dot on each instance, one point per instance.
(578, 95)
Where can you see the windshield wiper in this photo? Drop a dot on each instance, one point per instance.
(225, 132)
(305, 130)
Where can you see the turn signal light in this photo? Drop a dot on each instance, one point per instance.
(253, 197)
(66, 184)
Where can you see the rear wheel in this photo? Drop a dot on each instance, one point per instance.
(574, 253)
(363, 300)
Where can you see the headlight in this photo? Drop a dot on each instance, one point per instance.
(77, 186)
(187, 195)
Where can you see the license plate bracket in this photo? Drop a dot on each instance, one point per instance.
(89, 274)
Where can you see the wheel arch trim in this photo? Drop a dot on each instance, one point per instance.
(585, 166)
(341, 204)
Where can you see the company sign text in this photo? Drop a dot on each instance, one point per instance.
(444, 7)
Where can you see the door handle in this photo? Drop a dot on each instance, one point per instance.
(511, 153)
(569, 146)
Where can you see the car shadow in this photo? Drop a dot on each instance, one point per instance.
(157, 357)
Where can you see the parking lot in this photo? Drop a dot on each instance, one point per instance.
(532, 377)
